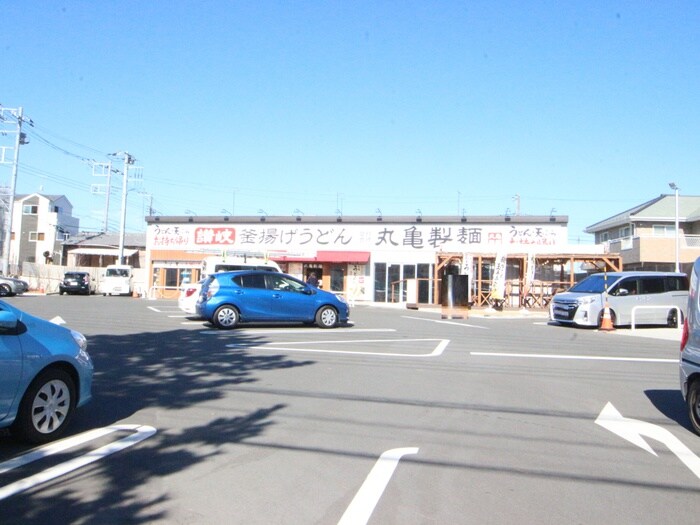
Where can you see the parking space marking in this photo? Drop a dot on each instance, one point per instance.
(440, 321)
(363, 504)
(577, 357)
(140, 432)
(298, 330)
(289, 347)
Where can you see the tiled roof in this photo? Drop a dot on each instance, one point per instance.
(662, 208)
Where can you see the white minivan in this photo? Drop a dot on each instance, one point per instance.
(690, 350)
(117, 280)
(642, 297)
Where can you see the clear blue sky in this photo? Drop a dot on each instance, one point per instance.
(587, 107)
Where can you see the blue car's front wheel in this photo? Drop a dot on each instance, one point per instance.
(327, 317)
(226, 317)
(46, 407)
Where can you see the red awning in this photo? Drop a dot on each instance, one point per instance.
(347, 257)
(326, 257)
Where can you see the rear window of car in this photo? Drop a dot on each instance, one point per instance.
(677, 283)
(255, 280)
(74, 275)
(651, 285)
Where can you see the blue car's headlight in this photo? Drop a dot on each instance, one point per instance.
(80, 340)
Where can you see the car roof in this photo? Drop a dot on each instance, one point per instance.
(242, 272)
(641, 274)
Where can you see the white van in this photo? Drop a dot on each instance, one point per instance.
(690, 350)
(230, 264)
(652, 297)
(117, 280)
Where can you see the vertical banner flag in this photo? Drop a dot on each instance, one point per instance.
(498, 284)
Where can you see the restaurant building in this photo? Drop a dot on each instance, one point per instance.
(520, 259)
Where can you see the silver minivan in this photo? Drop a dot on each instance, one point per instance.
(634, 298)
(690, 350)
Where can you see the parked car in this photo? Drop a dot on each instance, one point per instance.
(77, 282)
(189, 292)
(117, 280)
(653, 298)
(10, 286)
(230, 298)
(690, 350)
(45, 374)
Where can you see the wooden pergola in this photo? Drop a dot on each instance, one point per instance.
(533, 294)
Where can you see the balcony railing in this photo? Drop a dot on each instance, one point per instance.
(692, 241)
(628, 243)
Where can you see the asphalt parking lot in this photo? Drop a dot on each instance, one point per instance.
(402, 416)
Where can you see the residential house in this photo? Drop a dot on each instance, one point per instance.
(645, 236)
(40, 224)
(97, 250)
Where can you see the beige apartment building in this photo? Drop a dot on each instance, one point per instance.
(645, 236)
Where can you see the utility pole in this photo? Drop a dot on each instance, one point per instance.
(128, 159)
(108, 192)
(7, 236)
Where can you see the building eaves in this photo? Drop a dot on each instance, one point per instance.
(52, 198)
(660, 209)
(109, 239)
(622, 218)
(360, 219)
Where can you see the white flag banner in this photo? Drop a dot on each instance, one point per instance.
(498, 284)
(529, 274)
(468, 269)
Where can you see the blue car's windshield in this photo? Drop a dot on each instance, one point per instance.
(591, 284)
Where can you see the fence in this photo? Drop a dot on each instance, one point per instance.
(679, 314)
(46, 277)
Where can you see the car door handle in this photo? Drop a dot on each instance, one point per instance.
(276, 295)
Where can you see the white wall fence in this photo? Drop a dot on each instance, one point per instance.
(46, 277)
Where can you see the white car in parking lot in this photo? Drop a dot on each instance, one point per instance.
(690, 350)
(187, 300)
(10, 286)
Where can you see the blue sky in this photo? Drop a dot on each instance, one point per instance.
(587, 107)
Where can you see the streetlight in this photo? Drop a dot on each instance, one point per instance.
(675, 188)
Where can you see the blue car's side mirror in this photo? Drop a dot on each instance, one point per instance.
(8, 320)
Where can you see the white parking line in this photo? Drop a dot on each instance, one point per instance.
(577, 357)
(299, 330)
(366, 499)
(437, 351)
(439, 321)
(141, 432)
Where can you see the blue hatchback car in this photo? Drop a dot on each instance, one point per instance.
(230, 298)
(45, 374)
